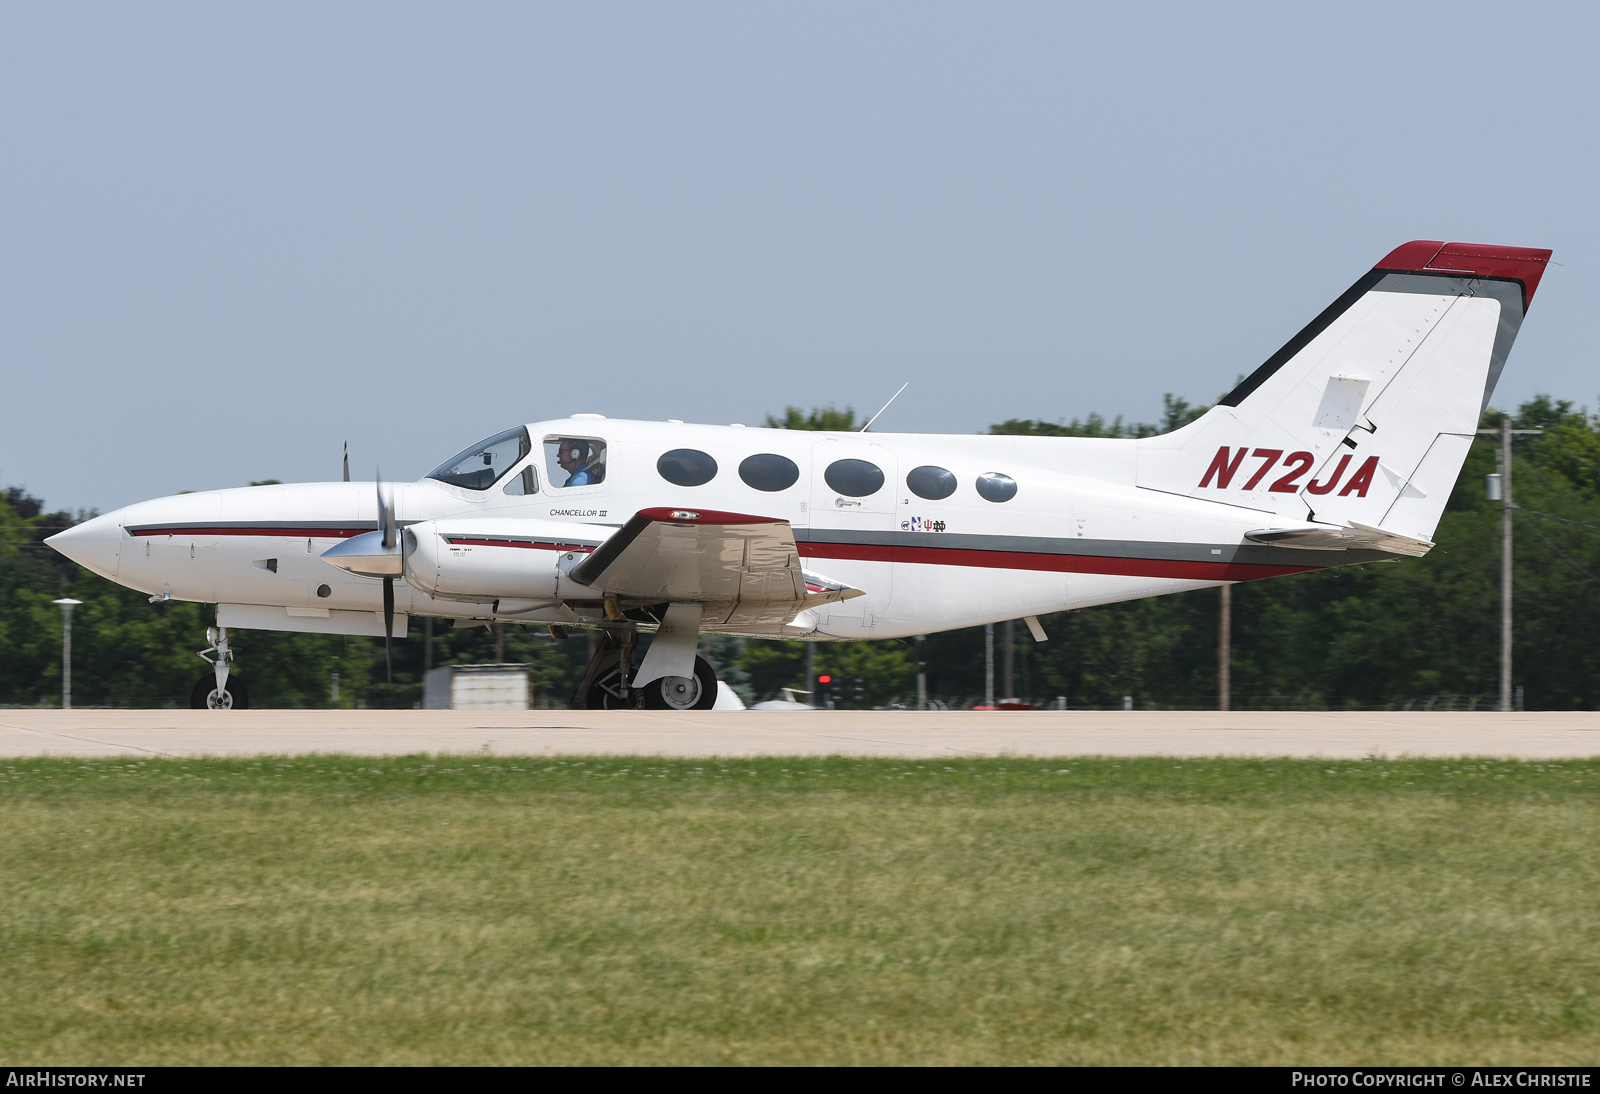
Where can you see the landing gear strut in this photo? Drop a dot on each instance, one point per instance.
(606, 685)
(216, 690)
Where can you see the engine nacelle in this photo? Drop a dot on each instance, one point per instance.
(488, 559)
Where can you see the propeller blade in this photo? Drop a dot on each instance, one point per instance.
(386, 526)
(386, 523)
(346, 461)
(388, 627)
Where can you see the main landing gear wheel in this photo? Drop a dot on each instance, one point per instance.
(204, 695)
(697, 692)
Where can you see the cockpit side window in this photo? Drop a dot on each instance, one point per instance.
(480, 466)
(575, 461)
(525, 483)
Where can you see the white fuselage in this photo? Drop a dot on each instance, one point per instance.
(1077, 531)
(1342, 447)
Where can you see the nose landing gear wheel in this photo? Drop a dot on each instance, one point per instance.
(697, 692)
(204, 694)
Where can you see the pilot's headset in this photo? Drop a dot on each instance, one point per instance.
(575, 449)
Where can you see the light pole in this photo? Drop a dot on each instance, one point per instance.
(922, 676)
(988, 665)
(1008, 664)
(1505, 433)
(66, 604)
(1225, 651)
(811, 676)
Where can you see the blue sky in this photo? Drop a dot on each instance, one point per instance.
(234, 237)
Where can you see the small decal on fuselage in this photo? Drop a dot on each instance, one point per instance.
(921, 524)
(1226, 464)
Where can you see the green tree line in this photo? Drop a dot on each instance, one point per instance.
(1414, 631)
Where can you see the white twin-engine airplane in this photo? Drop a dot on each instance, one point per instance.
(1342, 448)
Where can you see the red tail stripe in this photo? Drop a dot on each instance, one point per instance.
(1524, 264)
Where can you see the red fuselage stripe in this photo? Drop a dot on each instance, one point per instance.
(285, 533)
(464, 541)
(925, 556)
(1068, 564)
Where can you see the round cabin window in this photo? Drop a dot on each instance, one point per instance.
(933, 483)
(854, 478)
(993, 486)
(687, 467)
(769, 471)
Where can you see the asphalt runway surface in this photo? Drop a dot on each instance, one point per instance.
(905, 734)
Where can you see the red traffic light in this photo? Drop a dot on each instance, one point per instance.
(824, 679)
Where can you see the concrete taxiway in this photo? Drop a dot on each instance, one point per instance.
(908, 734)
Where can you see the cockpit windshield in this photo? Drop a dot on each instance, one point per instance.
(479, 466)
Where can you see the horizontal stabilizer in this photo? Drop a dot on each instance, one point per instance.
(1327, 537)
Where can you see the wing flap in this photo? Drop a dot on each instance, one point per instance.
(742, 568)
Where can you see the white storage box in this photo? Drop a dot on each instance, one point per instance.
(477, 687)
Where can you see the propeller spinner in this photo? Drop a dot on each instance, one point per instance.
(376, 554)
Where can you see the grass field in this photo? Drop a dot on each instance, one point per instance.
(588, 910)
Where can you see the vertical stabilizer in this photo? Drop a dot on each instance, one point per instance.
(1365, 416)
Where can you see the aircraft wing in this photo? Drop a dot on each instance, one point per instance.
(742, 569)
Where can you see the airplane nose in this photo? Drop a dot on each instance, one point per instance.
(94, 544)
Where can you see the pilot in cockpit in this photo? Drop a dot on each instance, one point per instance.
(575, 458)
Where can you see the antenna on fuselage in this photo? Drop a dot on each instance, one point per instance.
(346, 461)
(879, 414)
